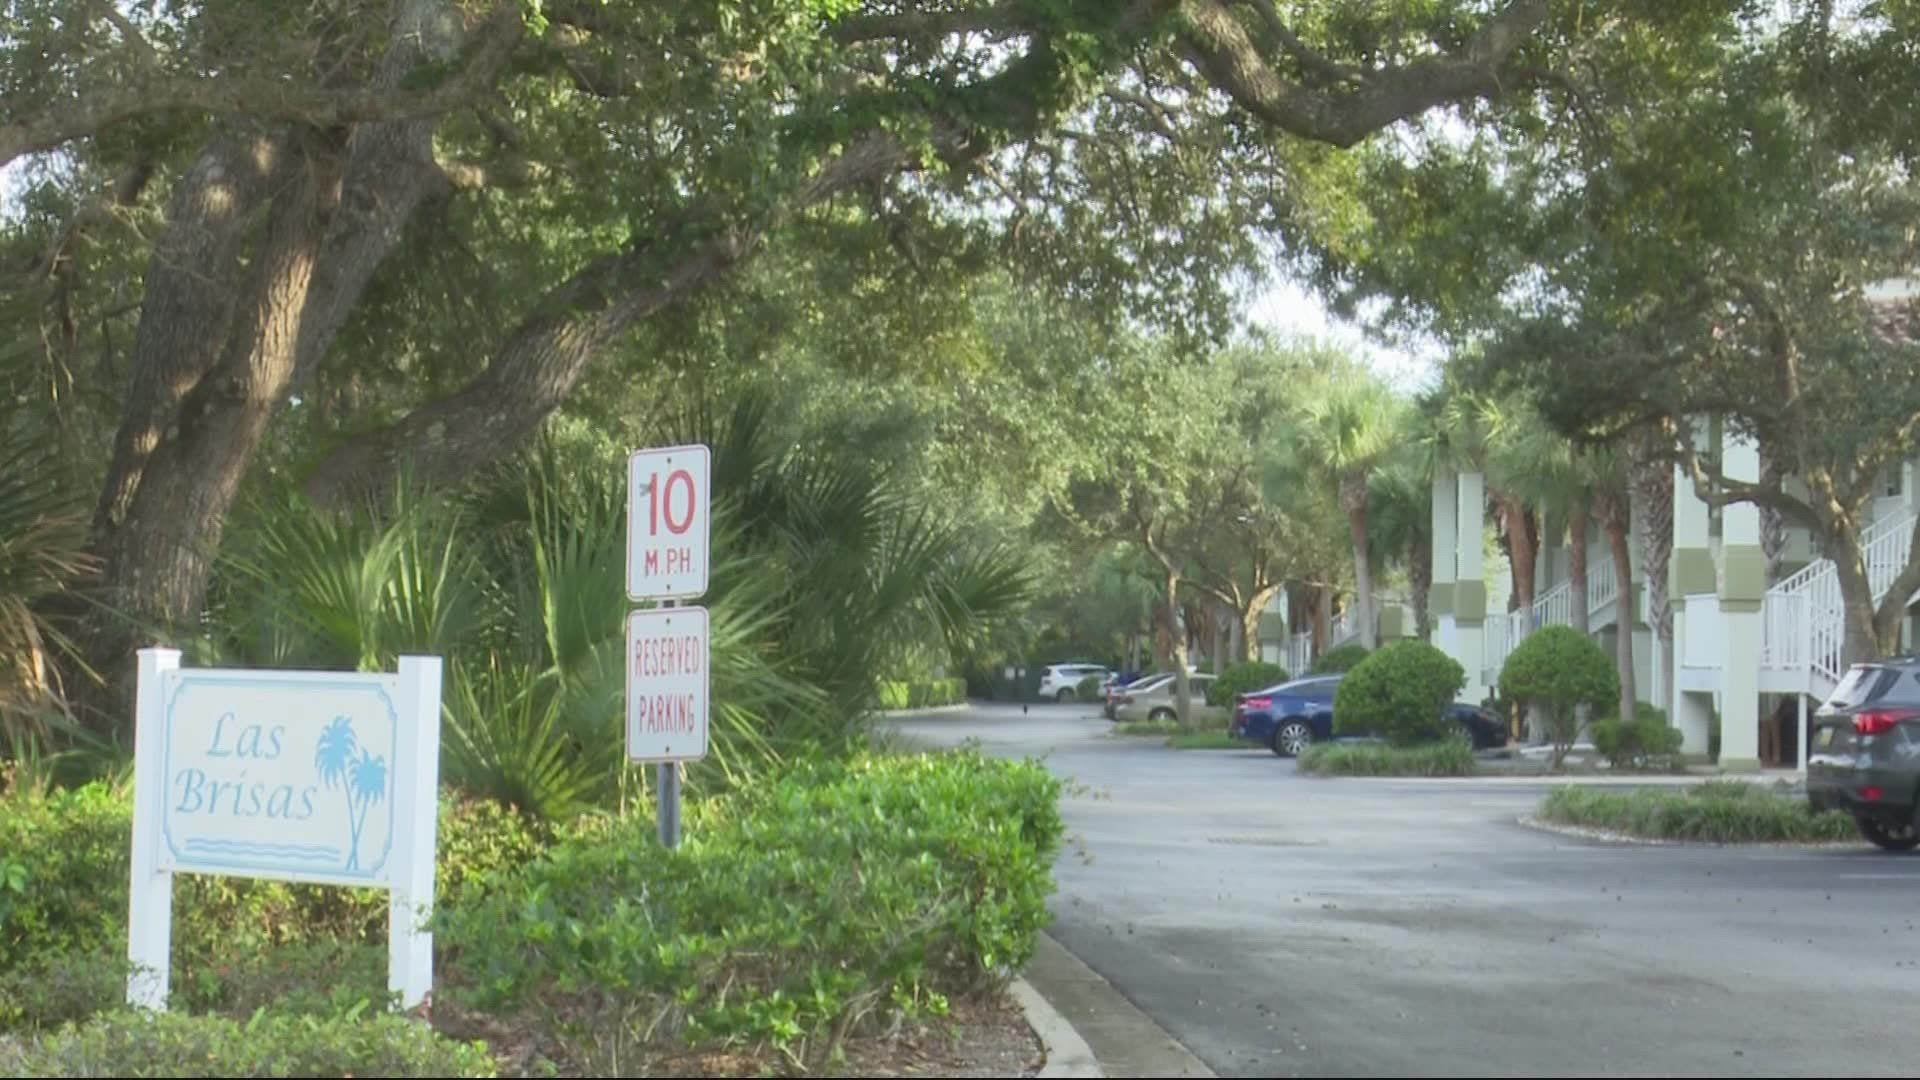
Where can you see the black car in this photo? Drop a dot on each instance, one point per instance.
(1864, 751)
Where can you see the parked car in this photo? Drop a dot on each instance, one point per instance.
(1061, 682)
(1863, 751)
(1294, 715)
(1153, 699)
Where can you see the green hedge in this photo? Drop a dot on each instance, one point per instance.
(1242, 678)
(793, 910)
(1722, 811)
(1646, 742)
(64, 877)
(932, 693)
(1345, 658)
(130, 1043)
(1450, 757)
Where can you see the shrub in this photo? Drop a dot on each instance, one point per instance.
(1556, 670)
(1088, 688)
(894, 695)
(1400, 693)
(1449, 757)
(1345, 658)
(1242, 678)
(794, 909)
(70, 851)
(1717, 812)
(130, 1043)
(1645, 742)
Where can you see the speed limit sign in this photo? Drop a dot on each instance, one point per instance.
(669, 522)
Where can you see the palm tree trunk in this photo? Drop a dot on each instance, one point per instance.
(1420, 571)
(1623, 608)
(1577, 562)
(1353, 498)
(1652, 480)
(1521, 549)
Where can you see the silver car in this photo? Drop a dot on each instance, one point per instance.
(1153, 699)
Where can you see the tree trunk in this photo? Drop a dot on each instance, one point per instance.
(1861, 640)
(271, 238)
(1420, 571)
(1623, 618)
(1773, 523)
(1652, 479)
(1522, 548)
(1577, 519)
(1322, 616)
(1182, 686)
(1249, 616)
(206, 388)
(1353, 499)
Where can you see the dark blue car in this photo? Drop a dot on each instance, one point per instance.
(1294, 715)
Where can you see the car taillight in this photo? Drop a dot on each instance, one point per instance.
(1881, 721)
(1256, 703)
(1871, 794)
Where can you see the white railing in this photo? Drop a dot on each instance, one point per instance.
(1555, 608)
(1804, 617)
(1504, 632)
(1603, 585)
(1299, 653)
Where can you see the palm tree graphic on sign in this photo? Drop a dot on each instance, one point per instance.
(342, 762)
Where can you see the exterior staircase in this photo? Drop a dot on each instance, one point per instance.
(1506, 630)
(1803, 621)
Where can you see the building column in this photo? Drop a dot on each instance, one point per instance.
(1445, 535)
(1690, 571)
(1743, 586)
(1470, 582)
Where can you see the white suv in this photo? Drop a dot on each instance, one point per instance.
(1061, 682)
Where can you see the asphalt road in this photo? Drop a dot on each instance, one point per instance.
(1283, 925)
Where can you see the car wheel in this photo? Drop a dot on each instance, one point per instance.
(1292, 738)
(1163, 716)
(1891, 837)
(1064, 696)
(1463, 733)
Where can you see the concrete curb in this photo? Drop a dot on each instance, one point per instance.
(1122, 1040)
(1609, 836)
(936, 710)
(1068, 1055)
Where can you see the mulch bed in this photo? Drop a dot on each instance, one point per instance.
(977, 1038)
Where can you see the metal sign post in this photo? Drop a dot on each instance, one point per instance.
(669, 528)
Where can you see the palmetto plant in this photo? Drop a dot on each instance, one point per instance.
(823, 571)
(44, 563)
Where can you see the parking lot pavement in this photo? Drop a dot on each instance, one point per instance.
(1278, 924)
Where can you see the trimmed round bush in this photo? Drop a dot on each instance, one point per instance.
(1344, 658)
(1088, 689)
(1244, 677)
(1556, 670)
(1399, 693)
(1645, 742)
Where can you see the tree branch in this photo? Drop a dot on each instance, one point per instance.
(1738, 491)
(1328, 70)
(1219, 46)
(999, 21)
(147, 91)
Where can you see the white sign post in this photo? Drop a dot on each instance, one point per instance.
(323, 777)
(669, 534)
